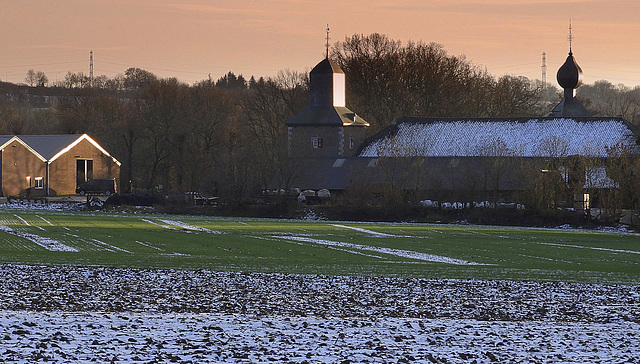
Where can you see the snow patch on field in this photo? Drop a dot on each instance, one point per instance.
(390, 251)
(366, 231)
(47, 243)
(108, 247)
(593, 248)
(148, 245)
(157, 224)
(45, 220)
(22, 220)
(186, 226)
(174, 225)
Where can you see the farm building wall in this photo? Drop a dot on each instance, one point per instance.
(20, 169)
(63, 173)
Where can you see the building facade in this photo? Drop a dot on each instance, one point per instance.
(52, 165)
(467, 158)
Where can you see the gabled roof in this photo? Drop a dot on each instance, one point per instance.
(523, 137)
(49, 147)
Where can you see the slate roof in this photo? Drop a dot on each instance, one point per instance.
(522, 137)
(5, 138)
(317, 115)
(570, 107)
(49, 145)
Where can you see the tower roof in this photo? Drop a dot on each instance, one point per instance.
(326, 66)
(327, 99)
(569, 77)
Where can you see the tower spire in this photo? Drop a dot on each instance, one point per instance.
(327, 45)
(570, 39)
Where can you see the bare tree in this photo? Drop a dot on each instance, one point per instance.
(76, 80)
(36, 79)
(267, 105)
(515, 96)
(136, 79)
(386, 79)
(607, 99)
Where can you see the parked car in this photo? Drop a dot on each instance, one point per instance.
(97, 187)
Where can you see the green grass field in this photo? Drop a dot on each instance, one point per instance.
(334, 248)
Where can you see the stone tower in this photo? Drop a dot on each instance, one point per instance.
(326, 128)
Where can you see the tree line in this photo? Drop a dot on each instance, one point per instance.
(227, 137)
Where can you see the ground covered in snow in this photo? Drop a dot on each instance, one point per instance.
(83, 314)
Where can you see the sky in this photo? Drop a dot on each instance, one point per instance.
(191, 40)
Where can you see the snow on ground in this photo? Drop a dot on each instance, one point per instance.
(47, 243)
(354, 248)
(593, 248)
(366, 231)
(175, 224)
(83, 314)
(197, 338)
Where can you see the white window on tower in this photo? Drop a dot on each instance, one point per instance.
(39, 183)
(339, 86)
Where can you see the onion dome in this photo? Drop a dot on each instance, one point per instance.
(570, 74)
(570, 77)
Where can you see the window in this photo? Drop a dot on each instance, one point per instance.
(316, 142)
(39, 183)
(586, 203)
(351, 143)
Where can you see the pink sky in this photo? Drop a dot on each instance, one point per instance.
(191, 39)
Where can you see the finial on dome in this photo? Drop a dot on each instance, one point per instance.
(327, 45)
(570, 39)
(569, 75)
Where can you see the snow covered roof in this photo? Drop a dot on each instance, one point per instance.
(528, 137)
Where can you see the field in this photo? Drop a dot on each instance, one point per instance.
(44, 237)
(126, 287)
